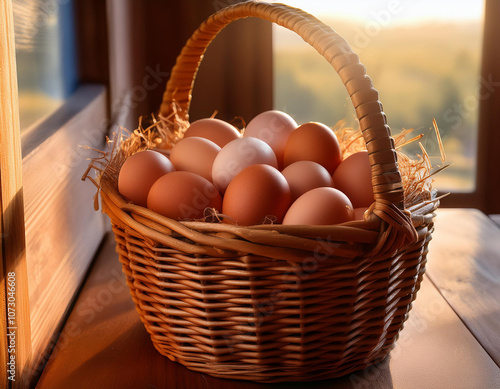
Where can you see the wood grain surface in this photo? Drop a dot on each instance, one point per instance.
(104, 344)
(464, 264)
(13, 253)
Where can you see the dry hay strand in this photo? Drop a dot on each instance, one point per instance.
(416, 173)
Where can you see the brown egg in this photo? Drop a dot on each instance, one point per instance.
(237, 155)
(302, 176)
(139, 172)
(183, 196)
(195, 155)
(257, 192)
(216, 130)
(354, 178)
(313, 142)
(320, 206)
(274, 128)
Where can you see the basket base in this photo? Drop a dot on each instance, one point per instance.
(275, 374)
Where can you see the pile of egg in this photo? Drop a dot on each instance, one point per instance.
(276, 171)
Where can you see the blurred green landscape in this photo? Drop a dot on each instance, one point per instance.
(422, 71)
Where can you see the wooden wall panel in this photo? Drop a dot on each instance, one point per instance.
(236, 75)
(12, 215)
(146, 36)
(92, 41)
(489, 113)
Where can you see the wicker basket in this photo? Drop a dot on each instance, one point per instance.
(276, 303)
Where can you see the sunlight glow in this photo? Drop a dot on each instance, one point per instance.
(400, 11)
(423, 56)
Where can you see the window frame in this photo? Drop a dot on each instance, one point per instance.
(49, 153)
(486, 195)
(487, 192)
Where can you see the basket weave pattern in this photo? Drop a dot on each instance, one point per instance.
(277, 303)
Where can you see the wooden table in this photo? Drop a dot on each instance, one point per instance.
(452, 339)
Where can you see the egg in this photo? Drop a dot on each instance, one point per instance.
(313, 142)
(257, 192)
(274, 128)
(237, 155)
(195, 155)
(183, 196)
(320, 206)
(302, 176)
(359, 213)
(139, 172)
(216, 130)
(354, 178)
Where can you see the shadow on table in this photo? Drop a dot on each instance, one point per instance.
(376, 376)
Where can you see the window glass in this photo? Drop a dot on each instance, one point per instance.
(424, 58)
(46, 59)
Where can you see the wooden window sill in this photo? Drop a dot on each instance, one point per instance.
(450, 339)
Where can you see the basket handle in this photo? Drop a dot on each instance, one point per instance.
(386, 179)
